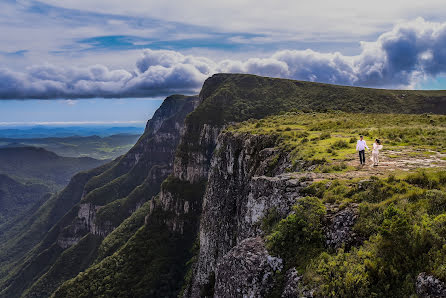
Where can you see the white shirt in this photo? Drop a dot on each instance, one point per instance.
(376, 148)
(361, 145)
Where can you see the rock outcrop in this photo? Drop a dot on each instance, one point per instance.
(246, 270)
(339, 226)
(428, 286)
(238, 196)
(294, 287)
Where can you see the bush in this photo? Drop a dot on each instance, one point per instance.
(436, 201)
(340, 144)
(325, 135)
(422, 179)
(300, 234)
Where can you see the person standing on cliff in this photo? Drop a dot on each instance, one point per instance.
(360, 147)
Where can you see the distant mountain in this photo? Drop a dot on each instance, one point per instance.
(29, 178)
(17, 197)
(98, 147)
(42, 131)
(38, 164)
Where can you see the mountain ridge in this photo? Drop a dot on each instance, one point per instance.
(158, 253)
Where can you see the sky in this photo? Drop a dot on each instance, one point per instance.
(113, 60)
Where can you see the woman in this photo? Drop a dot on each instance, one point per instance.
(375, 152)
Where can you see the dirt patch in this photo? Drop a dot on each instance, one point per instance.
(391, 161)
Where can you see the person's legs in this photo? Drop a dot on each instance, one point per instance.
(375, 159)
(362, 157)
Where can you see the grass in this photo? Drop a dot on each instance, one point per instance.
(330, 138)
(400, 232)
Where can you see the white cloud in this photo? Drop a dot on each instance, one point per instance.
(309, 19)
(398, 58)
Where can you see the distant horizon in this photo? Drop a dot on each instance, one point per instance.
(74, 124)
(97, 111)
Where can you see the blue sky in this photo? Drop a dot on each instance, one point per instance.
(129, 111)
(86, 50)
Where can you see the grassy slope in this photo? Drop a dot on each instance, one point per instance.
(234, 98)
(149, 264)
(330, 138)
(399, 233)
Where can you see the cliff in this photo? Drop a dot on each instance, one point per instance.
(252, 208)
(108, 196)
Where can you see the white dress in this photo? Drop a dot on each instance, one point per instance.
(375, 153)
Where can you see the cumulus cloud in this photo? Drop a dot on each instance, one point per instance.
(398, 58)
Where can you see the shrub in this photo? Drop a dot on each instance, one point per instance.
(269, 220)
(325, 135)
(422, 179)
(436, 201)
(340, 144)
(300, 234)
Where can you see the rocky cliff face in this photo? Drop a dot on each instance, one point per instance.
(247, 270)
(148, 163)
(248, 180)
(239, 194)
(113, 194)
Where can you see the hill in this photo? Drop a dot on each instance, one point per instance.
(50, 131)
(39, 164)
(16, 197)
(106, 147)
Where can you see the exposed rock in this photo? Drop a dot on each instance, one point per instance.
(246, 270)
(238, 196)
(148, 163)
(294, 287)
(339, 226)
(428, 286)
(193, 159)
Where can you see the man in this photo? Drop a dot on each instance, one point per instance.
(360, 147)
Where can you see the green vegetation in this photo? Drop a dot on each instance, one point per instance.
(329, 139)
(401, 222)
(299, 236)
(42, 166)
(27, 243)
(122, 233)
(72, 261)
(152, 263)
(238, 97)
(77, 146)
(17, 198)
